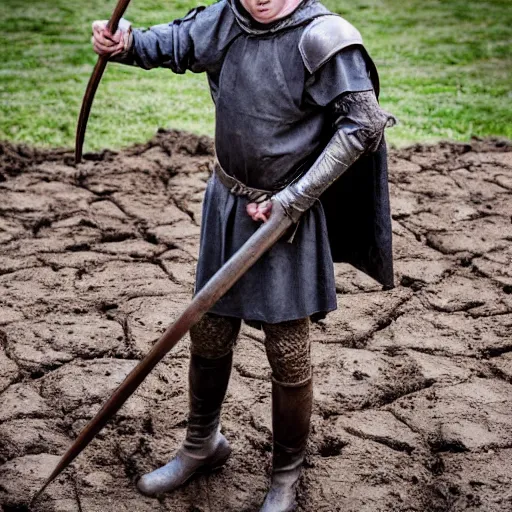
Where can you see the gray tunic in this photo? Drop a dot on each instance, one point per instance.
(272, 121)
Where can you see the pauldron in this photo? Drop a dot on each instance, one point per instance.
(323, 38)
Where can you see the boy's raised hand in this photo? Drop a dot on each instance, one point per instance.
(107, 44)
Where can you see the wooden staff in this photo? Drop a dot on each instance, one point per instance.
(94, 81)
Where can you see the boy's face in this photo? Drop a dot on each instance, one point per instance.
(265, 11)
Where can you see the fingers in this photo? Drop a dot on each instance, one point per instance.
(259, 211)
(101, 32)
(104, 43)
(264, 210)
(101, 49)
(251, 209)
(265, 207)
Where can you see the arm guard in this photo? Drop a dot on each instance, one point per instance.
(360, 126)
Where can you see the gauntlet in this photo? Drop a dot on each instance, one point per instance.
(360, 124)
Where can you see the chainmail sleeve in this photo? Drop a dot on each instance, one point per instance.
(360, 124)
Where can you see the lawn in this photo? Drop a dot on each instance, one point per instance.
(445, 66)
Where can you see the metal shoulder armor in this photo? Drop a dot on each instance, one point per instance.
(324, 37)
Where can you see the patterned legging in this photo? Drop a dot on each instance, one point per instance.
(286, 343)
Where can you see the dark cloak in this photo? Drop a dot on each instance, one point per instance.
(358, 218)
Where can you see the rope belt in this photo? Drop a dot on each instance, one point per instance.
(237, 188)
(255, 195)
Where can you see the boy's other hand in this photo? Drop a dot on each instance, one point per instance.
(260, 211)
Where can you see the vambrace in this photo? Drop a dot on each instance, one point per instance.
(360, 126)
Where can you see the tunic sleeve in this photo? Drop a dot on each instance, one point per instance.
(345, 72)
(196, 42)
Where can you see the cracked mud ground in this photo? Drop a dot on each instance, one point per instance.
(413, 398)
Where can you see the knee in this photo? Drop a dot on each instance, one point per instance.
(214, 336)
(288, 351)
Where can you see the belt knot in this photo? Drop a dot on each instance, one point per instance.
(237, 188)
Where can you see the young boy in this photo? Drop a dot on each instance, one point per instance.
(295, 97)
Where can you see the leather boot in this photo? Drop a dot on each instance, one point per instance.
(291, 414)
(204, 448)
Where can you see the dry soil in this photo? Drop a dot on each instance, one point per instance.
(413, 398)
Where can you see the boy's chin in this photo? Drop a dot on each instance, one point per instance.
(263, 17)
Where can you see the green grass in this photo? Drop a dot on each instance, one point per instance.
(445, 65)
